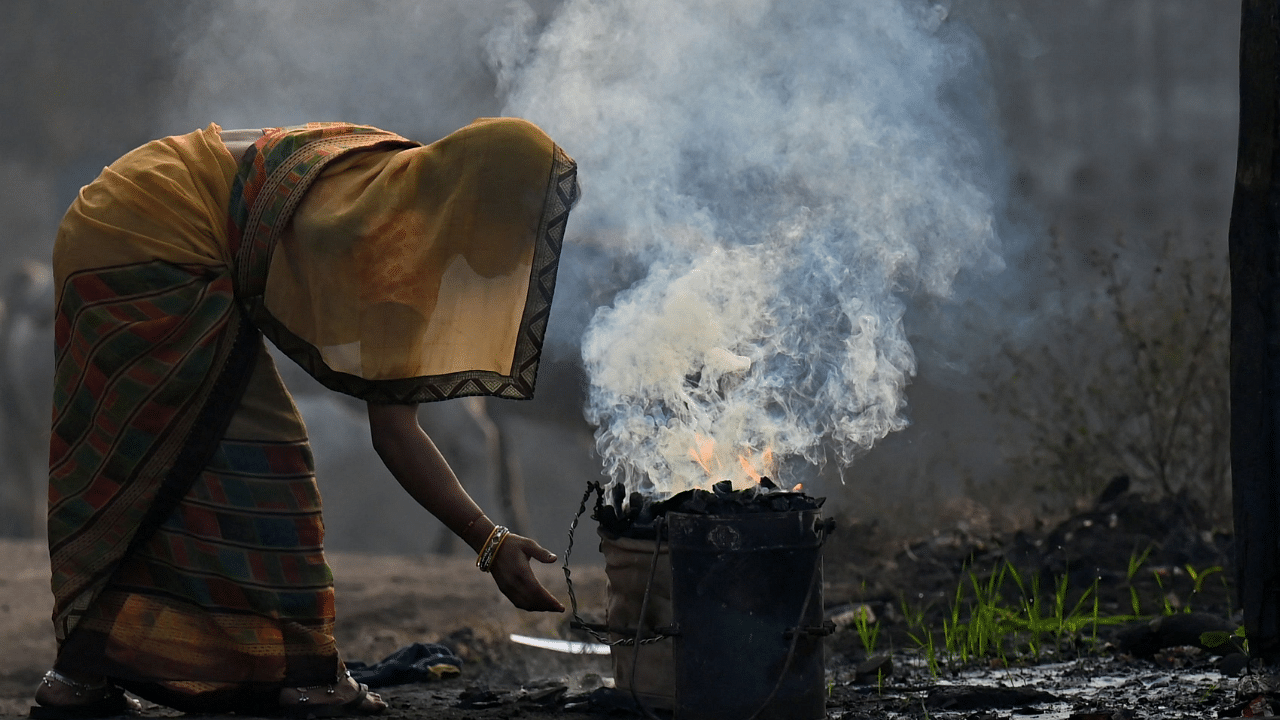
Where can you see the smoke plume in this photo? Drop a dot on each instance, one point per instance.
(788, 173)
(412, 67)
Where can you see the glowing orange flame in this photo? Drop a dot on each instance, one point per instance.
(798, 488)
(704, 453)
(755, 467)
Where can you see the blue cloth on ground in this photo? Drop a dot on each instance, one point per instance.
(419, 662)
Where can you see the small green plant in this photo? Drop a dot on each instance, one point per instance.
(1164, 597)
(1197, 580)
(985, 632)
(1002, 615)
(1199, 577)
(1030, 603)
(1136, 562)
(1208, 692)
(952, 630)
(988, 619)
(868, 631)
(921, 635)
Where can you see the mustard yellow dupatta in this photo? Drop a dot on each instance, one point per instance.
(416, 275)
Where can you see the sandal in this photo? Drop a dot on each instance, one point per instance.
(351, 708)
(113, 702)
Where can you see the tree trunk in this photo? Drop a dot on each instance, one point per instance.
(1255, 331)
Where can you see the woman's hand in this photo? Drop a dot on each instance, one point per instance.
(416, 463)
(515, 578)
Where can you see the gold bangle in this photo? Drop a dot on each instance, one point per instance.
(489, 539)
(488, 551)
(484, 560)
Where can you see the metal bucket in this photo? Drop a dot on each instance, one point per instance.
(747, 599)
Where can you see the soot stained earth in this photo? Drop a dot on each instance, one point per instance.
(1119, 611)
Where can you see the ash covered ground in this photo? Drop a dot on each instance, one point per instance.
(1152, 668)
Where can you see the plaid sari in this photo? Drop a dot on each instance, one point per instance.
(185, 525)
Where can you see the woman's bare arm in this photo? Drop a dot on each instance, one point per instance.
(423, 472)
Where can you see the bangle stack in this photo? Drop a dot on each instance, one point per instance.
(489, 551)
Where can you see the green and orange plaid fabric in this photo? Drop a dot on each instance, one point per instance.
(138, 348)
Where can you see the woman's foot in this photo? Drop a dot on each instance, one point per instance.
(342, 699)
(76, 695)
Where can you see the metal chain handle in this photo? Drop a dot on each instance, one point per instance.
(578, 623)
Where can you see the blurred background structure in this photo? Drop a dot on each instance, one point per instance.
(1099, 351)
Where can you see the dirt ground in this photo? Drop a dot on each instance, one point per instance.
(1138, 670)
(383, 603)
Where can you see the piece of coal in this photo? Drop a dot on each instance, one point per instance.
(619, 493)
(638, 518)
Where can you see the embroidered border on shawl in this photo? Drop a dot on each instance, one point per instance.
(562, 195)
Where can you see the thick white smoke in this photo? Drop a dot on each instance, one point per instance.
(787, 171)
(416, 68)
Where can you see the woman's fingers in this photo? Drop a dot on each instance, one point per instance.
(515, 578)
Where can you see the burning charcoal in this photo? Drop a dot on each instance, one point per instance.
(607, 517)
(643, 516)
(635, 504)
(639, 518)
(767, 484)
(695, 501)
(619, 494)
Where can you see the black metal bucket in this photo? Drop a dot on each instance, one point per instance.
(747, 599)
